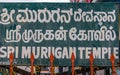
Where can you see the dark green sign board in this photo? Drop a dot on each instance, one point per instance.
(61, 29)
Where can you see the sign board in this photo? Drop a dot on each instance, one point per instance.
(59, 28)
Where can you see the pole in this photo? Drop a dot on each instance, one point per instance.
(51, 63)
(112, 58)
(32, 63)
(91, 64)
(11, 58)
(72, 59)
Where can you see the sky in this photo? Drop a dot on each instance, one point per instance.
(34, 0)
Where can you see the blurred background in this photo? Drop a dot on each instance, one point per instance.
(44, 70)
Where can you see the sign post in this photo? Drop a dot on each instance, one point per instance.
(60, 29)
